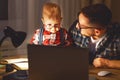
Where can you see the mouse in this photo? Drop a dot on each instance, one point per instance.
(103, 73)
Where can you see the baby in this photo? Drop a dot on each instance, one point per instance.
(51, 33)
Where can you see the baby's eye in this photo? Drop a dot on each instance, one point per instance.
(49, 24)
(56, 25)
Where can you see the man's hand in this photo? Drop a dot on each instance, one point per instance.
(100, 62)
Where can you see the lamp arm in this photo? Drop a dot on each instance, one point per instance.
(2, 35)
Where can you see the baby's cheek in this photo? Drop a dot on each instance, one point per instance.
(54, 30)
(57, 29)
(47, 29)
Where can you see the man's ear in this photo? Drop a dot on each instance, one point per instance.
(97, 31)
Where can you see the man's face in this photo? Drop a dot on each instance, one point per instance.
(51, 25)
(85, 26)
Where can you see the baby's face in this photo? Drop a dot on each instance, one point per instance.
(51, 25)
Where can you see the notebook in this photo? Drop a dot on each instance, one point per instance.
(57, 63)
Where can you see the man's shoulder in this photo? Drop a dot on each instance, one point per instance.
(116, 26)
(73, 26)
(114, 32)
(114, 29)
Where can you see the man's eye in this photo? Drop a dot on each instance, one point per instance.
(84, 27)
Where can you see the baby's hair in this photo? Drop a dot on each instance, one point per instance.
(51, 11)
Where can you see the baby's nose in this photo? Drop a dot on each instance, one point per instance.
(53, 30)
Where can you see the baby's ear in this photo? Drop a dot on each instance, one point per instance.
(42, 20)
(61, 18)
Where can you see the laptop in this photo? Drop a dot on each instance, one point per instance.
(57, 63)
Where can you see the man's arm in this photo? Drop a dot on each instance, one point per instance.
(102, 62)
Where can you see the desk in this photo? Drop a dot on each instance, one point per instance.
(114, 76)
(2, 71)
(92, 72)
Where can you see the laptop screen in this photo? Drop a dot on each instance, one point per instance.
(57, 63)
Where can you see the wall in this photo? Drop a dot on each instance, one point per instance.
(116, 10)
(17, 19)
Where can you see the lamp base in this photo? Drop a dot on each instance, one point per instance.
(18, 75)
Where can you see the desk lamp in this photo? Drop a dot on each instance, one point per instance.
(17, 37)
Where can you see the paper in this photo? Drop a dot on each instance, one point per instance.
(18, 63)
(16, 60)
(21, 65)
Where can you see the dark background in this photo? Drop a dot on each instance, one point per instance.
(3, 9)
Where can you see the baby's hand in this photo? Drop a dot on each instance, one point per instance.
(67, 43)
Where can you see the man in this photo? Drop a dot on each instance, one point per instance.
(94, 30)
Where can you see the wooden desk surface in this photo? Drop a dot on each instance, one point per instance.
(92, 72)
(3, 67)
(2, 71)
(114, 76)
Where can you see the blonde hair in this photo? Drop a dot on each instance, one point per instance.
(51, 11)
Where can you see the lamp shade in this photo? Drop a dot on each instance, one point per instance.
(17, 37)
